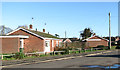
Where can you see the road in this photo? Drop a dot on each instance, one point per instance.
(104, 59)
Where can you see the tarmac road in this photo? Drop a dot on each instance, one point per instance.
(104, 59)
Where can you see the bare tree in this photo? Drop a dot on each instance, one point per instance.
(3, 30)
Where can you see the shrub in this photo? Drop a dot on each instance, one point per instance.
(63, 49)
(103, 47)
(106, 47)
(66, 50)
(19, 55)
(118, 47)
(113, 43)
(58, 48)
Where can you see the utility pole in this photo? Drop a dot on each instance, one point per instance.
(109, 31)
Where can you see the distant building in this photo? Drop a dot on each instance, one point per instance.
(94, 41)
(70, 40)
(114, 40)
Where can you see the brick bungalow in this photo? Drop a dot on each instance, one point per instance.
(30, 40)
(94, 41)
(66, 40)
(70, 40)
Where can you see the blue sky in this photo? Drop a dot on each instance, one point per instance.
(71, 17)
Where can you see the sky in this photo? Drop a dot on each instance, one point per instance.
(59, 17)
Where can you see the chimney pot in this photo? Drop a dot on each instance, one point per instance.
(43, 30)
(30, 26)
(94, 34)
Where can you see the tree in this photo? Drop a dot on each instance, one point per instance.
(3, 30)
(87, 32)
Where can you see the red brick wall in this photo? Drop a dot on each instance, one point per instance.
(50, 45)
(10, 45)
(31, 44)
(54, 43)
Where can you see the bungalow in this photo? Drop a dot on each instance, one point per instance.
(30, 40)
(94, 41)
(66, 40)
(69, 40)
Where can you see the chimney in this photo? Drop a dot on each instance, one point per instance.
(94, 34)
(30, 26)
(43, 30)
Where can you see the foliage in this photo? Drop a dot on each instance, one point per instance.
(19, 55)
(66, 49)
(113, 47)
(87, 32)
(113, 43)
(118, 47)
(75, 45)
(103, 47)
(118, 42)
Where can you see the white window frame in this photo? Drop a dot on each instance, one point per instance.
(52, 43)
(21, 43)
(57, 43)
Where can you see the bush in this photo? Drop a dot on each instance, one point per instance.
(66, 50)
(113, 43)
(103, 47)
(106, 47)
(63, 49)
(118, 47)
(19, 55)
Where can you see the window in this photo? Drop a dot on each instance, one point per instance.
(60, 44)
(46, 44)
(56, 43)
(52, 43)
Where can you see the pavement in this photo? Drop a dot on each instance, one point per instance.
(103, 58)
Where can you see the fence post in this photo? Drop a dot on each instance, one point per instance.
(53, 53)
(79, 51)
(45, 53)
(69, 51)
(1, 56)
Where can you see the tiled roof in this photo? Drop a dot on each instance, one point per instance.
(43, 34)
(36, 33)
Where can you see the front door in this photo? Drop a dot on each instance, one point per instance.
(47, 46)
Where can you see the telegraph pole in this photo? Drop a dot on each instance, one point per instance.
(109, 31)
